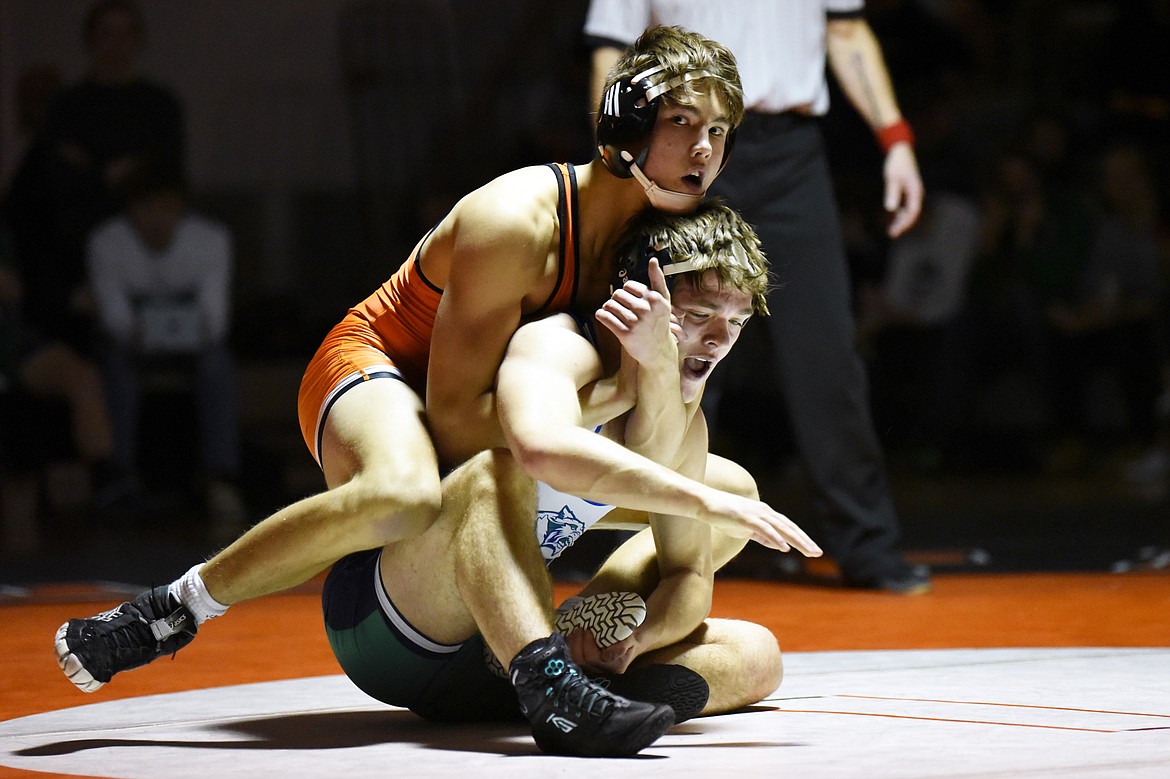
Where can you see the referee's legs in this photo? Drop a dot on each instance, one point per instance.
(788, 198)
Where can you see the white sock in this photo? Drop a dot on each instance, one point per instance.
(190, 590)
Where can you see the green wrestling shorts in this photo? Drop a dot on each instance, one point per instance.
(382, 653)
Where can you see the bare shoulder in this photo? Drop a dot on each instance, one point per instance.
(519, 204)
(534, 337)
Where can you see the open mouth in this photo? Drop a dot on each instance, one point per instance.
(696, 367)
(693, 180)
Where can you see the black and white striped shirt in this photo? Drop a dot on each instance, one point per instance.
(779, 44)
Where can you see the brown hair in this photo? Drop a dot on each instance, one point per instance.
(680, 51)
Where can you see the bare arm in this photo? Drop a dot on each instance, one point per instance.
(681, 597)
(541, 416)
(604, 58)
(499, 252)
(640, 318)
(856, 60)
(546, 366)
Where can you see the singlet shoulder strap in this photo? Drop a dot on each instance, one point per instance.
(415, 260)
(564, 293)
(585, 325)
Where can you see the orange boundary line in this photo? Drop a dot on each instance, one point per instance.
(1011, 705)
(947, 719)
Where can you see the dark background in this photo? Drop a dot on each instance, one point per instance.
(329, 134)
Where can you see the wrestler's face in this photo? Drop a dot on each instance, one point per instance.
(686, 147)
(711, 318)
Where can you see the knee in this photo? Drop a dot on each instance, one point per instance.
(494, 478)
(734, 478)
(765, 661)
(393, 506)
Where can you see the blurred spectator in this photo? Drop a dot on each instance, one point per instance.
(94, 132)
(161, 277)
(1031, 255)
(1136, 75)
(36, 368)
(903, 319)
(1113, 324)
(36, 88)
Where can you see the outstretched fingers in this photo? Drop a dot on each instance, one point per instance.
(777, 531)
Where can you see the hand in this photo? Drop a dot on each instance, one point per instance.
(741, 517)
(640, 318)
(903, 196)
(612, 660)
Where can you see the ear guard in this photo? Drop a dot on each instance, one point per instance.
(638, 268)
(628, 111)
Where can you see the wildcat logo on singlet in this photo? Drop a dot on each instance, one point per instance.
(557, 530)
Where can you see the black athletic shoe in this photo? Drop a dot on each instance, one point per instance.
(571, 715)
(683, 690)
(90, 651)
(894, 575)
(610, 616)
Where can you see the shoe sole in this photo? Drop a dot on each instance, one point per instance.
(71, 664)
(610, 616)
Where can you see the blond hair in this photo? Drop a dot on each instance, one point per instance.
(712, 238)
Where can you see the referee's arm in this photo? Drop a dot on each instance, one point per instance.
(856, 60)
(604, 58)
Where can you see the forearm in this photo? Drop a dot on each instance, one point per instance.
(676, 607)
(856, 60)
(579, 462)
(604, 58)
(605, 399)
(656, 426)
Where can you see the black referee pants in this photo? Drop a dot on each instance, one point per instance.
(778, 178)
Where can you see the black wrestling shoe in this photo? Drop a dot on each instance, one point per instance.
(683, 690)
(896, 576)
(571, 715)
(610, 616)
(90, 651)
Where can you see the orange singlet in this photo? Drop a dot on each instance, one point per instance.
(388, 335)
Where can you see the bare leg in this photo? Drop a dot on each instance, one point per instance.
(58, 372)
(740, 661)
(383, 476)
(502, 576)
(478, 567)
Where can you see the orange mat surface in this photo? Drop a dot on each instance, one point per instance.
(281, 636)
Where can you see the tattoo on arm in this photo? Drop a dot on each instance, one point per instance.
(865, 85)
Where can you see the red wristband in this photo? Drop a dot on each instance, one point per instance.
(895, 133)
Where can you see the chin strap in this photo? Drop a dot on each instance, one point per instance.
(662, 199)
